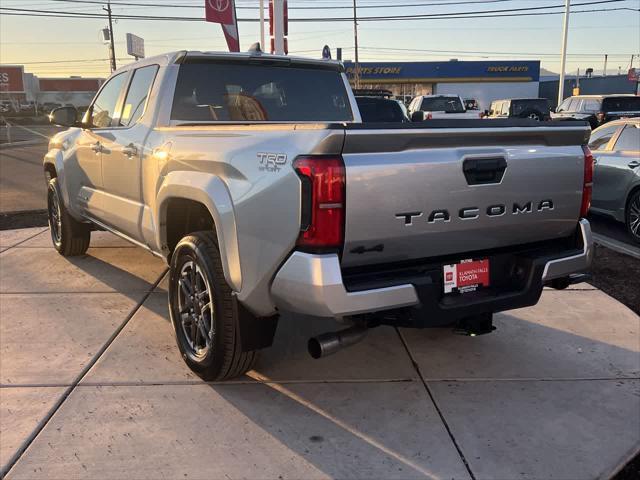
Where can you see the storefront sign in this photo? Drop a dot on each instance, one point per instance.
(452, 71)
(11, 80)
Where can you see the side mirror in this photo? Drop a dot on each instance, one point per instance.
(418, 116)
(64, 116)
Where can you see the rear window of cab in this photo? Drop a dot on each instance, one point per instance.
(239, 92)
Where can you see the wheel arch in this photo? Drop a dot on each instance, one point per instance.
(196, 194)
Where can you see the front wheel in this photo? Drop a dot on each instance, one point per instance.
(632, 218)
(202, 311)
(69, 237)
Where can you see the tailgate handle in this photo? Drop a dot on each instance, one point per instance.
(483, 171)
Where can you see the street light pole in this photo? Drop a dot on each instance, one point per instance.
(563, 61)
(112, 48)
(356, 75)
(262, 45)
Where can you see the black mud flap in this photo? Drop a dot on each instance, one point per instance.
(256, 333)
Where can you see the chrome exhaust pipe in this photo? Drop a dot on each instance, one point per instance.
(331, 342)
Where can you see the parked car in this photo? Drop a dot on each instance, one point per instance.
(451, 107)
(49, 106)
(616, 178)
(250, 175)
(533, 108)
(379, 109)
(598, 109)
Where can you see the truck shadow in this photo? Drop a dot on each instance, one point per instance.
(357, 427)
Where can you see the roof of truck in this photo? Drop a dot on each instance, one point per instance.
(185, 56)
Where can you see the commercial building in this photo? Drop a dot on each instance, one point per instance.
(594, 85)
(483, 80)
(18, 88)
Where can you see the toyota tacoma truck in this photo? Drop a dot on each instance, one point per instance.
(254, 178)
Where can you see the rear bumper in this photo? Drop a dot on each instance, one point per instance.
(563, 267)
(315, 285)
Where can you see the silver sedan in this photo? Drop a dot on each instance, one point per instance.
(616, 179)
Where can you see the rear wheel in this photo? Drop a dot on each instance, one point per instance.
(632, 219)
(69, 237)
(202, 310)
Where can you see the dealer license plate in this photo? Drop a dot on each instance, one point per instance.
(466, 276)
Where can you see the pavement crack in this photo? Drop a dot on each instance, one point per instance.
(435, 404)
(71, 388)
(44, 229)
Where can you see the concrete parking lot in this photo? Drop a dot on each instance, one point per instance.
(92, 386)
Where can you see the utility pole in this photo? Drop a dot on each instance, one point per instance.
(112, 48)
(356, 75)
(262, 44)
(563, 61)
(604, 70)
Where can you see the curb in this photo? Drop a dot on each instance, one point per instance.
(616, 245)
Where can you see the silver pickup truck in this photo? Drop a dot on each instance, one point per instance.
(254, 178)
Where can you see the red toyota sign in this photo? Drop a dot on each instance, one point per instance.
(224, 13)
(11, 79)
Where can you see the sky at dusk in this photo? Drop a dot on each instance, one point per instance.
(72, 46)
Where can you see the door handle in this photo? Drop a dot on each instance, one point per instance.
(633, 164)
(96, 147)
(130, 150)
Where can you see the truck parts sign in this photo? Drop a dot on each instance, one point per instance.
(11, 79)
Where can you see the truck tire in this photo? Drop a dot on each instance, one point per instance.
(202, 310)
(632, 216)
(69, 236)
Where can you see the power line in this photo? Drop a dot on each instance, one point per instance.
(293, 7)
(473, 14)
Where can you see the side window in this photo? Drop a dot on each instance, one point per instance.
(629, 139)
(574, 106)
(103, 108)
(600, 139)
(136, 99)
(591, 105)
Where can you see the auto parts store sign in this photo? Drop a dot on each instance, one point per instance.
(11, 80)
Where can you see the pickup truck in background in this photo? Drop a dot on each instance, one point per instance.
(598, 109)
(264, 199)
(449, 107)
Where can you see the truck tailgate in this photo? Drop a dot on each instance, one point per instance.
(424, 192)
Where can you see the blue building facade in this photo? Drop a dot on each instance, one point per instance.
(451, 71)
(483, 81)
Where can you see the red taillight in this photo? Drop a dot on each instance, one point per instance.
(323, 193)
(588, 182)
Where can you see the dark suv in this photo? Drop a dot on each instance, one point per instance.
(379, 109)
(598, 109)
(534, 108)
